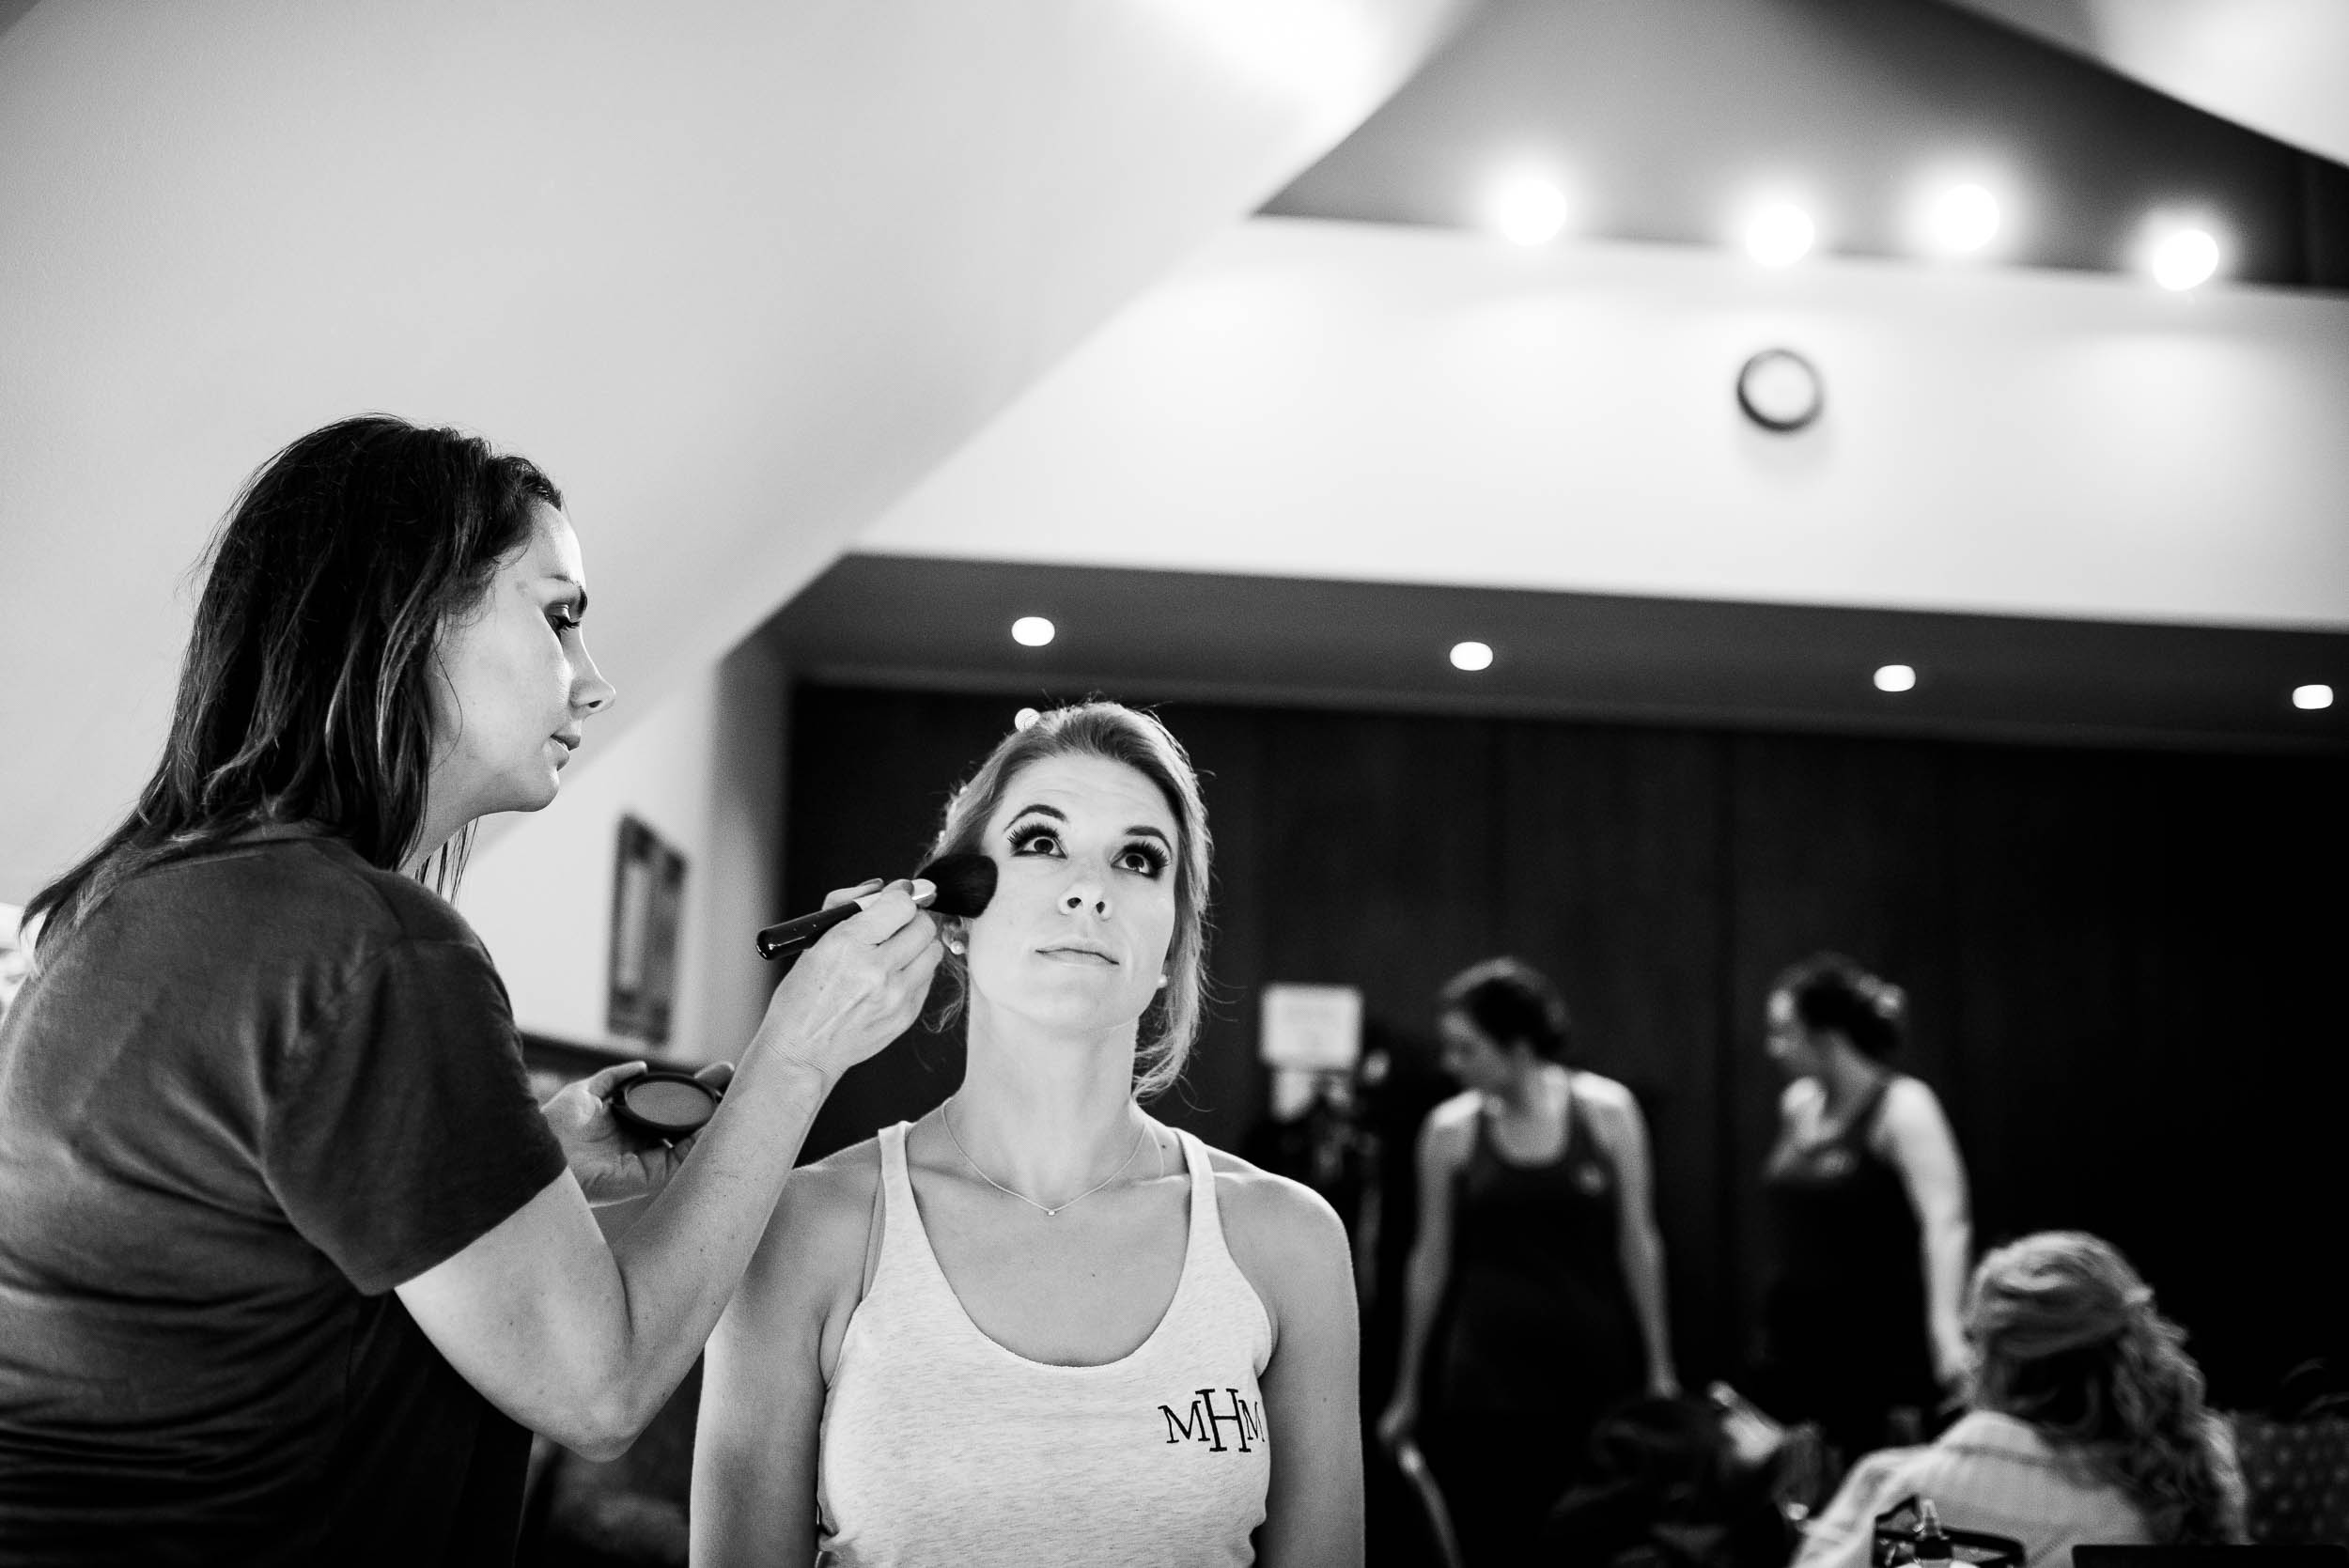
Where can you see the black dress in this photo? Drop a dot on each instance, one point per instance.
(1537, 1340)
(1844, 1320)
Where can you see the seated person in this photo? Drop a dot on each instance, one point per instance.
(2087, 1421)
(1038, 1326)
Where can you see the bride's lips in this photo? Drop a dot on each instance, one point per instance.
(1076, 952)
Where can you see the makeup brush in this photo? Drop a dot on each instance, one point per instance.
(965, 883)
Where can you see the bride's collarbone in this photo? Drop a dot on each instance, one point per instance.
(1073, 1289)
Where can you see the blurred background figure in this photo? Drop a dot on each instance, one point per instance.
(1537, 1278)
(1868, 1205)
(2087, 1421)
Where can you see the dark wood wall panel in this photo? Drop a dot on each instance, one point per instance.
(1612, 881)
(2122, 965)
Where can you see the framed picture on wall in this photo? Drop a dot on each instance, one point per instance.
(647, 906)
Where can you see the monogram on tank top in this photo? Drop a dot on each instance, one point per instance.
(941, 1446)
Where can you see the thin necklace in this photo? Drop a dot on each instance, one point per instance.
(945, 1115)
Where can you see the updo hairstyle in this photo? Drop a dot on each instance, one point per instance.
(1833, 992)
(1510, 1001)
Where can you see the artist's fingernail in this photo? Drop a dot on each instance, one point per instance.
(870, 882)
(922, 888)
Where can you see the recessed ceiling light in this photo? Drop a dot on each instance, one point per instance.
(1779, 234)
(1471, 655)
(1032, 631)
(1529, 209)
(1895, 678)
(2312, 696)
(1961, 220)
(2184, 258)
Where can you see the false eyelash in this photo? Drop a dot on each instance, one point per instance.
(1018, 832)
(1158, 857)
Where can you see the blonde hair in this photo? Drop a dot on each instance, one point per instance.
(2067, 1338)
(1117, 733)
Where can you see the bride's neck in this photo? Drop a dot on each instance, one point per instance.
(1039, 1111)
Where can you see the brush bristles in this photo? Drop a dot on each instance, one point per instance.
(965, 884)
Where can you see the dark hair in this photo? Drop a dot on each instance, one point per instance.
(2067, 1338)
(305, 695)
(1511, 1002)
(1118, 734)
(1831, 992)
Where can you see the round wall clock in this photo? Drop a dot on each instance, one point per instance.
(1779, 390)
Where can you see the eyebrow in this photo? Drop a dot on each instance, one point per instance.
(1140, 830)
(573, 581)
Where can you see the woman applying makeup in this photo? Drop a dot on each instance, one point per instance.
(1038, 1327)
(290, 1264)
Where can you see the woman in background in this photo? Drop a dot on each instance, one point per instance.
(1538, 1253)
(1038, 1327)
(2087, 1421)
(289, 1259)
(1868, 1202)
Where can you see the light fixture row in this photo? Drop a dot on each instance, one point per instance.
(1953, 219)
(1035, 631)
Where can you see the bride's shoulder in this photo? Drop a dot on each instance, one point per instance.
(817, 1238)
(1271, 1215)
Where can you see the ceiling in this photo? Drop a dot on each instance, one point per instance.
(1653, 115)
(1158, 635)
(1658, 117)
(2276, 66)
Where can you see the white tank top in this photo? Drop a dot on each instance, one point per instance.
(940, 1446)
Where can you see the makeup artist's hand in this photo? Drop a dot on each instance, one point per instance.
(860, 986)
(612, 1164)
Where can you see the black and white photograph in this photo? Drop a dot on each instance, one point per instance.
(1357, 783)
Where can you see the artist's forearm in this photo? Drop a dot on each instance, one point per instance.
(680, 1262)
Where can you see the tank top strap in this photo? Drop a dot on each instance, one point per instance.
(1213, 1283)
(1582, 1140)
(1206, 1221)
(1862, 1125)
(903, 1241)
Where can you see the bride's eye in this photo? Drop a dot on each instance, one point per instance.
(1032, 840)
(1143, 859)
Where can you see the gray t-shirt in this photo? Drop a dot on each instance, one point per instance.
(253, 1092)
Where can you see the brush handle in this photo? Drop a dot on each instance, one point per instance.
(794, 935)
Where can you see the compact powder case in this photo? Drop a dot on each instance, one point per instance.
(665, 1103)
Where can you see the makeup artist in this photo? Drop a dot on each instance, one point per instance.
(290, 1264)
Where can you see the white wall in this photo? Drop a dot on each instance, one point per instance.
(1371, 402)
(704, 770)
(735, 272)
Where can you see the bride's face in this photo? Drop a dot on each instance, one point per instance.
(1076, 933)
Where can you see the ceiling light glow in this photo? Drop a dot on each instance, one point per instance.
(1471, 655)
(2312, 697)
(2184, 258)
(1895, 678)
(1779, 234)
(1961, 221)
(1529, 209)
(1032, 631)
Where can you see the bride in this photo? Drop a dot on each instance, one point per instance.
(1038, 1326)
